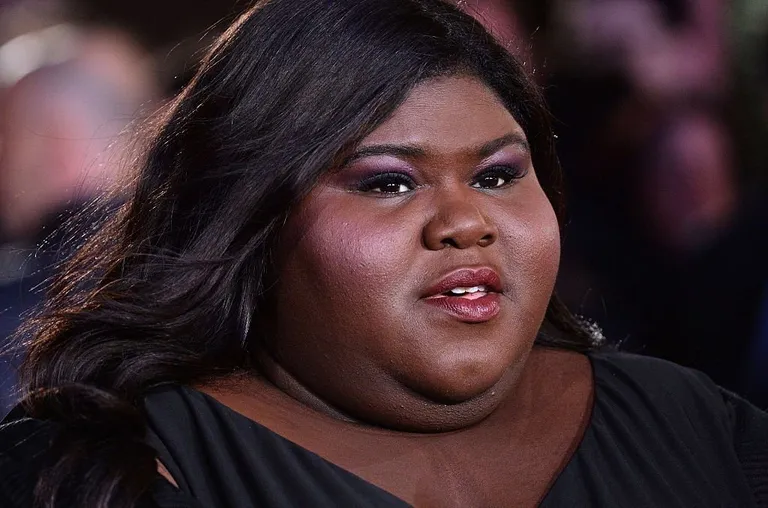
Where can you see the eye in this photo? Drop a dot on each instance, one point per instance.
(387, 183)
(497, 177)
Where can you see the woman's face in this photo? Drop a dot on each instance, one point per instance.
(413, 281)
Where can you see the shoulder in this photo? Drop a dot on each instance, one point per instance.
(642, 389)
(23, 446)
(665, 387)
(659, 399)
(652, 388)
(653, 375)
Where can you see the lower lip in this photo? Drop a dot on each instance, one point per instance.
(478, 310)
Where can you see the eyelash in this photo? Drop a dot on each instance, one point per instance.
(378, 181)
(509, 174)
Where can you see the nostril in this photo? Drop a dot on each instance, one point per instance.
(486, 240)
(450, 242)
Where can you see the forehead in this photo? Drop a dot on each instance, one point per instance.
(445, 115)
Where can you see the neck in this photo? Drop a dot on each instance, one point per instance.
(397, 407)
(284, 381)
(549, 374)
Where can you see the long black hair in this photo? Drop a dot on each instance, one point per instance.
(171, 289)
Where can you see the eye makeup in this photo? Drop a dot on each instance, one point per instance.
(364, 174)
(388, 174)
(510, 163)
(497, 176)
(390, 182)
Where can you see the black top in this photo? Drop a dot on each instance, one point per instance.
(659, 436)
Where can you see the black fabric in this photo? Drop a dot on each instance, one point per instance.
(663, 435)
(659, 436)
(225, 459)
(23, 446)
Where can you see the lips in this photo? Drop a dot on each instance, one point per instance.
(469, 295)
(466, 278)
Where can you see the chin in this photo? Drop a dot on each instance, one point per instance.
(457, 380)
(454, 404)
(465, 387)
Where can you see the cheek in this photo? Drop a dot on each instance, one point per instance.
(354, 253)
(545, 248)
(531, 241)
(345, 264)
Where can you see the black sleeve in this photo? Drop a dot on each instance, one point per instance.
(721, 432)
(750, 432)
(23, 446)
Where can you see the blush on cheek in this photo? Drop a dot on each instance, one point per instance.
(533, 243)
(549, 248)
(356, 256)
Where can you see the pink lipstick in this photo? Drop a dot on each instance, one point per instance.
(469, 295)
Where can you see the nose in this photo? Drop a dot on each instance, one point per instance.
(459, 223)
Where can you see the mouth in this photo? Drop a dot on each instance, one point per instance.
(469, 295)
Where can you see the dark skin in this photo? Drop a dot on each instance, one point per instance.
(361, 371)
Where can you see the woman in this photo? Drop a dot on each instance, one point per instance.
(333, 287)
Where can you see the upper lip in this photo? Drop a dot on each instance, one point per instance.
(464, 278)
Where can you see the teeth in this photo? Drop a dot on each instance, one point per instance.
(473, 289)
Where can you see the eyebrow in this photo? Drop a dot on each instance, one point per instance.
(414, 151)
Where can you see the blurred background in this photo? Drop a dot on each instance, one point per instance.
(661, 113)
